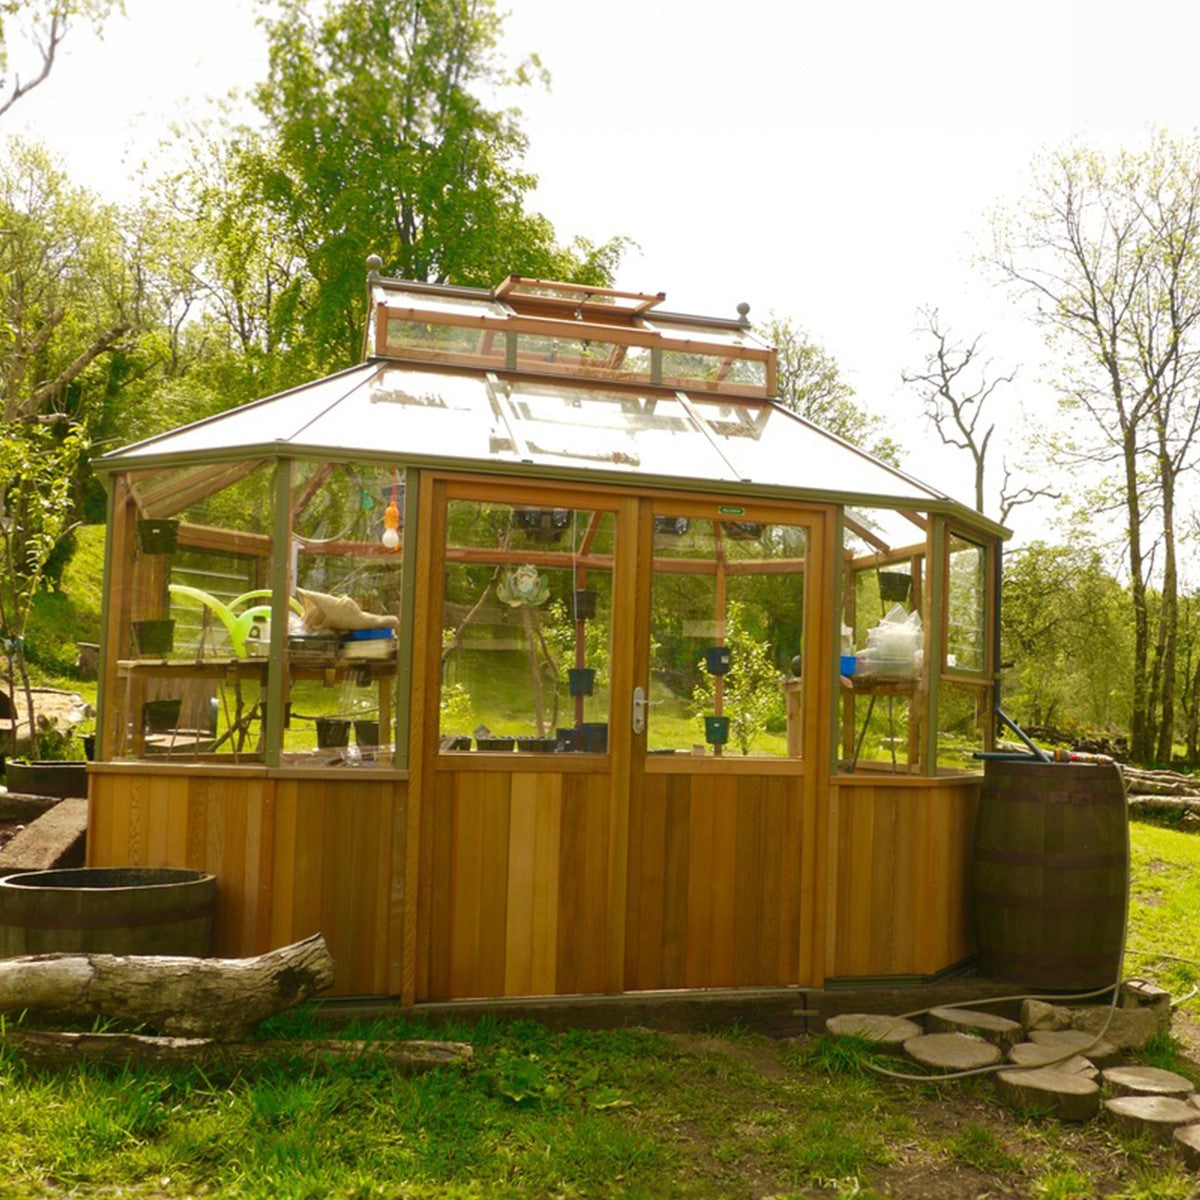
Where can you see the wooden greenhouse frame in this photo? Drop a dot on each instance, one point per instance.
(495, 454)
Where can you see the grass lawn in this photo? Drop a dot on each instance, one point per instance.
(585, 1114)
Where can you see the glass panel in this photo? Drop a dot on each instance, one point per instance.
(459, 341)
(347, 542)
(585, 356)
(190, 679)
(963, 717)
(527, 611)
(431, 302)
(880, 723)
(681, 368)
(727, 626)
(966, 596)
(644, 434)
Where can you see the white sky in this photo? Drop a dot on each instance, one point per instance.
(833, 160)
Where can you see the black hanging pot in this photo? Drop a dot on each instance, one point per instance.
(718, 659)
(332, 732)
(716, 730)
(581, 680)
(157, 535)
(584, 603)
(894, 586)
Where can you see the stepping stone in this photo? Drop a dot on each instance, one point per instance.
(888, 1033)
(1146, 1081)
(1075, 1041)
(952, 1051)
(1127, 1028)
(1030, 1054)
(1187, 1145)
(1158, 1116)
(1000, 1031)
(1066, 1095)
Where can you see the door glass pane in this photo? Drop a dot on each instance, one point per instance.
(726, 637)
(526, 625)
(965, 596)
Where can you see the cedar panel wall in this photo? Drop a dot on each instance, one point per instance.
(717, 895)
(293, 857)
(898, 879)
(514, 888)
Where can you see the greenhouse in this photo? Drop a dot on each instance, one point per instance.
(545, 654)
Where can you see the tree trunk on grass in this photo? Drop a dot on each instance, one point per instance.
(180, 996)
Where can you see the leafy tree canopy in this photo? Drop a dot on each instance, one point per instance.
(380, 139)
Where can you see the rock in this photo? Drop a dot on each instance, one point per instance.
(1037, 1014)
(888, 1033)
(1146, 1081)
(1129, 1028)
(952, 1051)
(1000, 1031)
(55, 839)
(1137, 993)
(1158, 1116)
(1030, 1054)
(1063, 1094)
(1074, 1041)
(1187, 1145)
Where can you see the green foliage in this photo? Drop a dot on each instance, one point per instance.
(378, 142)
(811, 384)
(752, 698)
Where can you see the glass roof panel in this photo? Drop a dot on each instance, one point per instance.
(769, 445)
(276, 419)
(429, 302)
(651, 435)
(713, 335)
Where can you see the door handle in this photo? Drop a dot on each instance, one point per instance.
(640, 704)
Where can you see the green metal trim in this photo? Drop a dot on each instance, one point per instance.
(839, 588)
(510, 350)
(656, 367)
(935, 649)
(402, 701)
(101, 690)
(280, 594)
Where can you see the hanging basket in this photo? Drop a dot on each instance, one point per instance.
(718, 659)
(366, 733)
(716, 730)
(581, 680)
(154, 639)
(894, 586)
(157, 536)
(584, 603)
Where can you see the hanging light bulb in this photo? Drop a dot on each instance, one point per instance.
(391, 523)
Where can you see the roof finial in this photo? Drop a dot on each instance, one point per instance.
(374, 266)
(743, 312)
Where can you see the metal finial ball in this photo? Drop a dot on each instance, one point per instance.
(374, 264)
(743, 310)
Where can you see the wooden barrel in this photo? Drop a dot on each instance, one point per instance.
(108, 910)
(1050, 874)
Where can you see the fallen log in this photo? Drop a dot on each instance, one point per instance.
(1166, 803)
(45, 1048)
(179, 996)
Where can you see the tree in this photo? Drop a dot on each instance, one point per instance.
(811, 385)
(955, 390)
(42, 24)
(377, 141)
(1108, 250)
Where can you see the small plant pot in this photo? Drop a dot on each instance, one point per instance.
(157, 536)
(716, 730)
(584, 600)
(848, 663)
(494, 743)
(672, 526)
(456, 741)
(366, 733)
(567, 740)
(581, 680)
(894, 586)
(535, 745)
(718, 659)
(161, 716)
(89, 747)
(743, 531)
(593, 737)
(154, 639)
(332, 732)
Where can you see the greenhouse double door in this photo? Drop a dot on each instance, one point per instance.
(616, 741)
